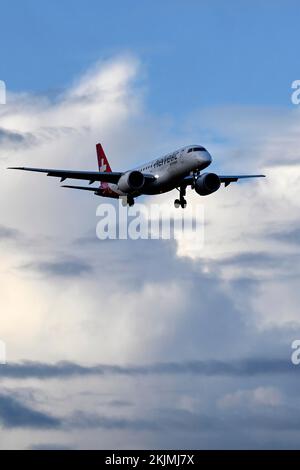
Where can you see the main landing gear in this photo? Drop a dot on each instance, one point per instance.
(181, 202)
(127, 201)
(130, 201)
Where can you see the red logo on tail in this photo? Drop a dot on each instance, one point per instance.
(105, 167)
(102, 160)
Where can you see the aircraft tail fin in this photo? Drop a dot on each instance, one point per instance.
(103, 164)
(102, 159)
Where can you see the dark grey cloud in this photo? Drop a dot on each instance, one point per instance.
(176, 422)
(212, 326)
(88, 421)
(265, 427)
(119, 403)
(50, 446)
(8, 233)
(281, 265)
(290, 235)
(125, 260)
(63, 268)
(236, 368)
(14, 414)
(252, 259)
(281, 418)
(14, 139)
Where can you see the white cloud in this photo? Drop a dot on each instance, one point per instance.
(141, 302)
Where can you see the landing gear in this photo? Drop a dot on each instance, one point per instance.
(181, 202)
(131, 202)
(127, 201)
(195, 176)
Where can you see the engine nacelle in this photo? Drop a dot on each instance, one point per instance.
(131, 181)
(207, 183)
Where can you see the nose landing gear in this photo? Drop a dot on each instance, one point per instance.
(181, 202)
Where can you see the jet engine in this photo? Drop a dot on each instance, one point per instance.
(131, 181)
(207, 183)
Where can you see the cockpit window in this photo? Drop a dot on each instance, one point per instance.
(197, 149)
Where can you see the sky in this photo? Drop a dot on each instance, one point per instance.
(146, 344)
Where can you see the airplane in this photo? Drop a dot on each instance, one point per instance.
(176, 170)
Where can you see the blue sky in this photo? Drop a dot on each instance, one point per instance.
(196, 53)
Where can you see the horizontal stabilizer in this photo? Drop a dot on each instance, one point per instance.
(84, 188)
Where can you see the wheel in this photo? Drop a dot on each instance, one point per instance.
(177, 203)
(130, 201)
(127, 201)
(183, 203)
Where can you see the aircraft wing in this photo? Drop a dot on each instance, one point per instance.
(233, 178)
(91, 176)
(226, 179)
(112, 177)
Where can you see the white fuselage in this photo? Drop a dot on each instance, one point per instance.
(170, 169)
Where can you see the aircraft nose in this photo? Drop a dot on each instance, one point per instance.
(207, 157)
